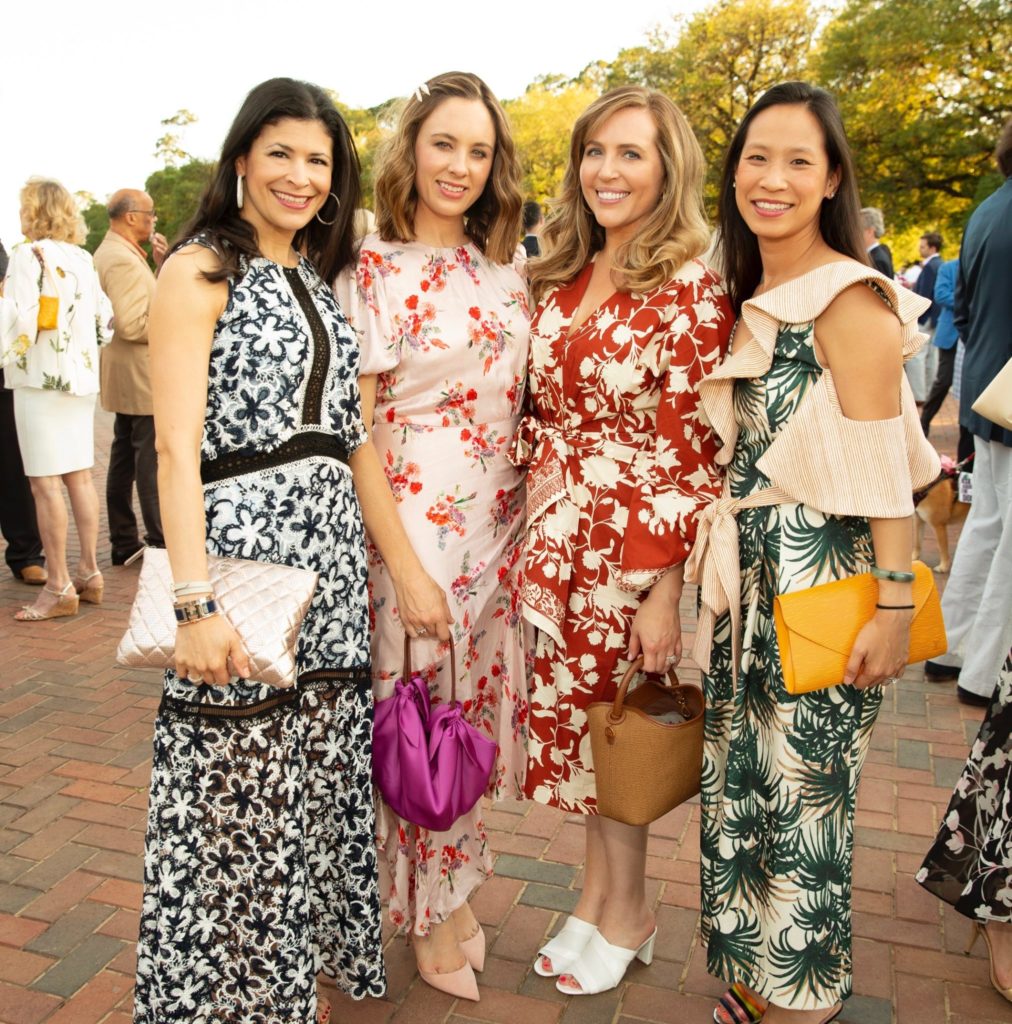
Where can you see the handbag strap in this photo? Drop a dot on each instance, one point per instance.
(617, 712)
(46, 272)
(453, 666)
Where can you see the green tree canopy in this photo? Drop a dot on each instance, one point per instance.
(924, 87)
(718, 62)
(176, 192)
(542, 121)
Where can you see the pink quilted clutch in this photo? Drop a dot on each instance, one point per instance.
(265, 603)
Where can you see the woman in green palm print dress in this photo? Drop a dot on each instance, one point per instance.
(822, 450)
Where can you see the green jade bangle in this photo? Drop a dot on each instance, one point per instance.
(894, 575)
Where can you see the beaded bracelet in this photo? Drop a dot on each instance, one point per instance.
(895, 575)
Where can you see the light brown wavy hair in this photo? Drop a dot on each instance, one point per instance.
(48, 210)
(676, 230)
(493, 221)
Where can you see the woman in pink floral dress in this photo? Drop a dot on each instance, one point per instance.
(628, 321)
(443, 319)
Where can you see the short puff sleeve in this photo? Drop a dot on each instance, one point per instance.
(362, 294)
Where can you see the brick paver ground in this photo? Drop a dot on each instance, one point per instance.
(75, 734)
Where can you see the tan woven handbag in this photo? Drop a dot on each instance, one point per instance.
(647, 747)
(264, 602)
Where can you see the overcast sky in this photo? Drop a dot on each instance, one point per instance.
(85, 84)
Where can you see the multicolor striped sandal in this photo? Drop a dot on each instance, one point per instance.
(739, 1005)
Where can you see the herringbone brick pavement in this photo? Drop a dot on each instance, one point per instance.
(75, 734)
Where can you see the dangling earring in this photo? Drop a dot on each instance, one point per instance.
(329, 222)
(238, 191)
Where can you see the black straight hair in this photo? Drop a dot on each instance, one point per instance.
(839, 218)
(330, 247)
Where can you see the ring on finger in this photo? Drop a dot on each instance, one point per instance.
(194, 678)
(672, 659)
(421, 631)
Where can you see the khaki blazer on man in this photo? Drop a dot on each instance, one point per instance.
(130, 284)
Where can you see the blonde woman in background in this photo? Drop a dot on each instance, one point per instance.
(54, 375)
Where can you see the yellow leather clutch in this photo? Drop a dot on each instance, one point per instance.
(816, 628)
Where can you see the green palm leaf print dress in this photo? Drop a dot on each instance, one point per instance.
(780, 773)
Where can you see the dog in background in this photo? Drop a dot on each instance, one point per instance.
(938, 505)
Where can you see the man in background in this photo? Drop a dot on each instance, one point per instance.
(920, 368)
(945, 340)
(127, 279)
(873, 226)
(534, 221)
(977, 604)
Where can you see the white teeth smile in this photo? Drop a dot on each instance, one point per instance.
(610, 197)
(451, 188)
(766, 205)
(286, 197)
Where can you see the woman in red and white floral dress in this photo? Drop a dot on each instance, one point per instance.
(628, 321)
(443, 320)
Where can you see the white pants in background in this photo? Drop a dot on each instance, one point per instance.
(922, 367)
(977, 604)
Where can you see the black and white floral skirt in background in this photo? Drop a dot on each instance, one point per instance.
(970, 863)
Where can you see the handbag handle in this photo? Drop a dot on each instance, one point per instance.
(453, 666)
(617, 712)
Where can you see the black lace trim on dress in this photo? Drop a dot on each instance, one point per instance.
(321, 680)
(301, 446)
(313, 406)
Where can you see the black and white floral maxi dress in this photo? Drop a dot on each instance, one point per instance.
(260, 862)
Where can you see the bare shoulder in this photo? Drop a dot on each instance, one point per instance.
(190, 262)
(182, 280)
(859, 311)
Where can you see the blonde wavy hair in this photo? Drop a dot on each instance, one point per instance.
(493, 221)
(48, 210)
(676, 230)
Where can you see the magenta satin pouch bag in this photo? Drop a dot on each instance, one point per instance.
(430, 765)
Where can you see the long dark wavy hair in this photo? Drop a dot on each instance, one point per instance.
(493, 222)
(839, 218)
(329, 246)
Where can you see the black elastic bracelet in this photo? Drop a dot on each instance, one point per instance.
(896, 607)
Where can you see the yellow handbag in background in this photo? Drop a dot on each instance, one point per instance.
(816, 628)
(49, 312)
(49, 305)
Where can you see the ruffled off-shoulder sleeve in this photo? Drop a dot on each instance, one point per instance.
(682, 475)
(820, 457)
(362, 294)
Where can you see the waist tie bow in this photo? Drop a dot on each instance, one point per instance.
(713, 564)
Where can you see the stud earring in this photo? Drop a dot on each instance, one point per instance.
(329, 222)
(238, 191)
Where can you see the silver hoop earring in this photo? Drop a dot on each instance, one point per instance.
(238, 191)
(329, 222)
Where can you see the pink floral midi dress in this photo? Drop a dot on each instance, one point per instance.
(447, 333)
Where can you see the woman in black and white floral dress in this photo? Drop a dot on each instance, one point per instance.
(260, 866)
